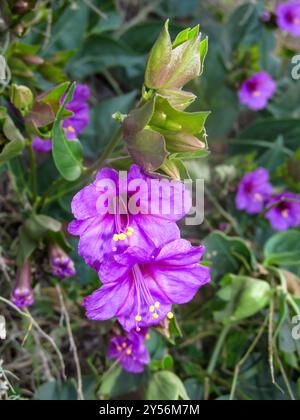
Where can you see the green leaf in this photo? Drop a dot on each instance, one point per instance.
(117, 382)
(228, 255)
(16, 143)
(109, 381)
(167, 386)
(246, 297)
(67, 155)
(100, 53)
(270, 129)
(30, 234)
(102, 126)
(282, 250)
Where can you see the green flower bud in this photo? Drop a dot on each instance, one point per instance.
(172, 66)
(21, 97)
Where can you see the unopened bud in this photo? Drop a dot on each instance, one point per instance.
(34, 60)
(21, 97)
(22, 295)
(62, 265)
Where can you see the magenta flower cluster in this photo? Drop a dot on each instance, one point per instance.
(73, 125)
(255, 195)
(256, 91)
(144, 266)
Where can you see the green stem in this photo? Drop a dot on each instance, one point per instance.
(33, 176)
(223, 212)
(217, 350)
(293, 304)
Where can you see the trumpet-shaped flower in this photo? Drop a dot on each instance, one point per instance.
(73, 125)
(140, 285)
(256, 91)
(254, 190)
(22, 295)
(118, 211)
(130, 351)
(288, 17)
(284, 211)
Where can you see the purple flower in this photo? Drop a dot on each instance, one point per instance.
(140, 285)
(79, 106)
(118, 211)
(42, 146)
(256, 91)
(254, 190)
(62, 265)
(288, 17)
(284, 211)
(130, 351)
(22, 295)
(74, 125)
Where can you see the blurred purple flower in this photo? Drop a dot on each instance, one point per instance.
(223, 227)
(140, 285)
(42, 146)
(61, 264)
(74, 125)
(22, 295)
(79, 106)
(256, 91)
(106, 222)
(286, 213)
(130, 351)
(254, 190)
(288, 17)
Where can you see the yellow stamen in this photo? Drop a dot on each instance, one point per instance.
(128, 352)
(124, 345)
(155, 316)
(148, 337)
(119, 349)
(70, 129)
(116, 238)
(170, 315)
(122, 237)
(258, 197)
(157, 305)
(130, 229)
(138, 318)
(129, 233)
(285, 213)
(152, 309)
(257, 93)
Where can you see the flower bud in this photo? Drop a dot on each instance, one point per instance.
(21, 97)
(33, 59)
(62, 265)
(172, 66)
(22, 295)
